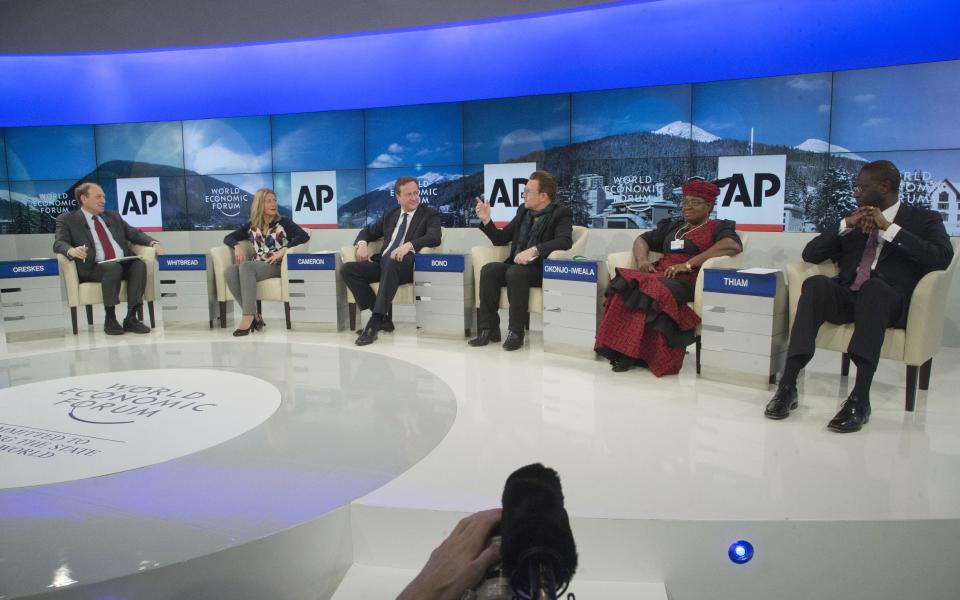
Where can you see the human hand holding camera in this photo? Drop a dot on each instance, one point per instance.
(459, 563)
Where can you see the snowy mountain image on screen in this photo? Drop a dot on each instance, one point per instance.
(687, 131)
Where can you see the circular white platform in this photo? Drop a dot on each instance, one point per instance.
(348, 423)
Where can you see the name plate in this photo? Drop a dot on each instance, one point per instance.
(28, 268)
(182, 262)
(732, 281)
(571, 270)
(439, 263)
(312, 262)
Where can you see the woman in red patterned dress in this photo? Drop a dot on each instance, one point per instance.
(646, 319)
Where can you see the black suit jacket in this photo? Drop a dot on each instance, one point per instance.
(558, 237)
(72, 230)
(921, 246)
(423, 231)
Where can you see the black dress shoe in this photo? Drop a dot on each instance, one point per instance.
(367, 336)
(622, 363)
(784, 400)
(853, 415)
(514, 341)
(112, 327)
(385, 325)
(134, 326)
(485, 336)
(258, 323)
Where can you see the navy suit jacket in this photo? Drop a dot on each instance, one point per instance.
(921, 246)
(423, 231)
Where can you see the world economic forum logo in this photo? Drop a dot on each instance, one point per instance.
(122, 404)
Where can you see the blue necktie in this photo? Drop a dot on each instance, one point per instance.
(399, 239)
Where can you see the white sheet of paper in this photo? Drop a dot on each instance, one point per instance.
(758, 271)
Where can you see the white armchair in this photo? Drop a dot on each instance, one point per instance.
(914, 346)
(406, 293)
(89, 293)
(626, 260)
(276, 289)
(487, 254)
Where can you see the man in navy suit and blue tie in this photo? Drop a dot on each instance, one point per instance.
(405, 230)
(883, 250)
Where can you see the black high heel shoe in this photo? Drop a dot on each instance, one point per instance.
(258, 323)
(242, 332)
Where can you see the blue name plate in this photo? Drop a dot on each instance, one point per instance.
(730, 281)
(312, 262)
(570, 270)
(28, 268)
(439, 263)
(182, 262)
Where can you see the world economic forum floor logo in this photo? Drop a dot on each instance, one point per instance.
(92, 425)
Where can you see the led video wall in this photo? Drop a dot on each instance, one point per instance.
(791, 146)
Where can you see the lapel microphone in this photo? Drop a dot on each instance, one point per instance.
(537, 545)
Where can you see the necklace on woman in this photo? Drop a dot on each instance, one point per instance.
(680, 234)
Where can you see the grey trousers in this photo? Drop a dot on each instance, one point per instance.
(111, 274)
(242, 280)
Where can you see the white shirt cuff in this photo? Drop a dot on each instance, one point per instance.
(891, 232)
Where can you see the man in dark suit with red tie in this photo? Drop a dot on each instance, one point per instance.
(883, 250)
(405, 230)
(92, 235)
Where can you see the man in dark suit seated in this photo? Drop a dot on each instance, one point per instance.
(405, 230)
(91, 235)
(539, 227)
(882, 250)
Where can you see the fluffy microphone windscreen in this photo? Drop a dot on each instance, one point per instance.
(534, 517)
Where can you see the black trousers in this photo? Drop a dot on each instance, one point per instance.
(110, 275)
(518, 279)
(872, 309)
(389, 273)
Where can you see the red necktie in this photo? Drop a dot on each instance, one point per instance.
(108, 252)
(866, 261)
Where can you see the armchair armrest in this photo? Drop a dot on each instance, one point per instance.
(620, 260)
(71, 281)
(926, 317)
(220, 258)
(577, 248)
(149, 256)
(487, 254)
(349, 253)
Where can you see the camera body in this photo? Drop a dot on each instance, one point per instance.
(495, 584)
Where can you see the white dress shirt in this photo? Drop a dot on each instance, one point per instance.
(396, 229)
(118, 252)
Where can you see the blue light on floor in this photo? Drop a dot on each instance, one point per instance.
(740, 552)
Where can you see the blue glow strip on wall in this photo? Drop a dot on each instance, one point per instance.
(623, 45)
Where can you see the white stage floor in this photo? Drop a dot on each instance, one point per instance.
(659, 475)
